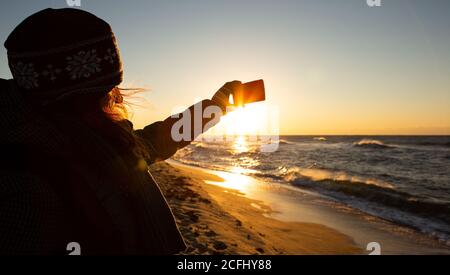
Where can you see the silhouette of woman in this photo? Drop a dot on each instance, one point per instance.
(72, 168)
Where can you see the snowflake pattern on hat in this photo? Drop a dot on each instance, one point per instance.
(83, 64)
(110, 56)
(25, 75)
(51, 72)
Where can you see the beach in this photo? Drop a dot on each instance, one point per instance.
(230, 213)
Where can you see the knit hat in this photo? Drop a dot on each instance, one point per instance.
(55, 53)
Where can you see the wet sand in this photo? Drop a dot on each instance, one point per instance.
(226, 213)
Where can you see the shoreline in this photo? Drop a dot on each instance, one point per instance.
(224, 213)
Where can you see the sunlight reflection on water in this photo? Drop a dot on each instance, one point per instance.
(240, 145)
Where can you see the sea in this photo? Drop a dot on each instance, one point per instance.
(402, 179)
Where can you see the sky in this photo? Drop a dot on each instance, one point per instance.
(330, 67)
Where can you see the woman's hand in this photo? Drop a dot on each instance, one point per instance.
(222, 96)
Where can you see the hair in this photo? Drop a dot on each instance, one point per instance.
(107, 114)
(116, 109)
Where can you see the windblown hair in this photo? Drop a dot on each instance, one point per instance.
(107, 114)
(117, 127)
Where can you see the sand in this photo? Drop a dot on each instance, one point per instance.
(218, 220)
(230, 213)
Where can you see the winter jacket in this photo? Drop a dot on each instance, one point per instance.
(62, 182)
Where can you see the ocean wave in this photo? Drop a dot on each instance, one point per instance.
(316, 175)
(373, 196)
(346, 188)
(285, 142)
(406, 184)
(198, 164)
(372, 143)
(206, 145)
(320, 138)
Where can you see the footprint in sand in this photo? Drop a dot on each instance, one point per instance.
(192, 216)
(210, 233)
(219, 245)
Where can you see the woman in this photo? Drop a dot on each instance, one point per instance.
(73, 169)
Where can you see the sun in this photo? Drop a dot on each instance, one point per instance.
(248, 120)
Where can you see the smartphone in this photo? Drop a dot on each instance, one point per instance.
(251, 92)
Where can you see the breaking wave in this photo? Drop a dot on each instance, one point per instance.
(372, 143)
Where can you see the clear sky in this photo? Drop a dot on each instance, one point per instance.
(331, 67)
